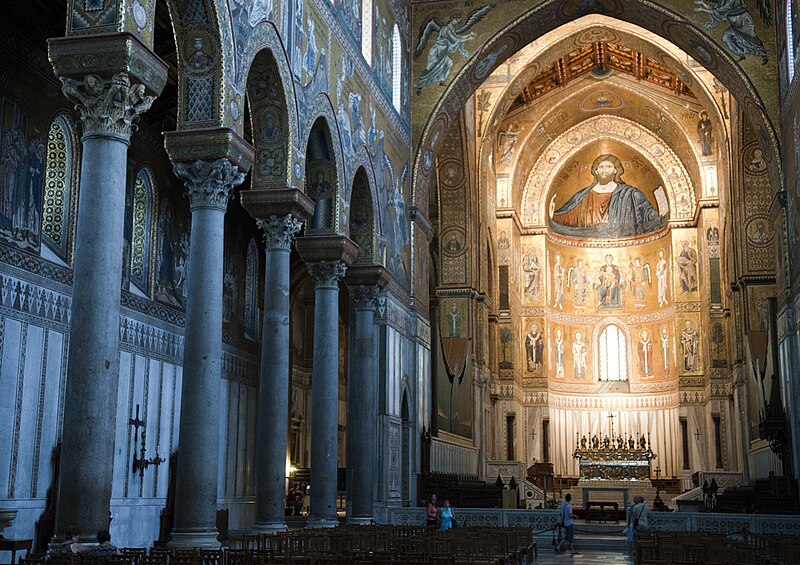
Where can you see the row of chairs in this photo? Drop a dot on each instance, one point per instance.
(685, 548)
(346, 545)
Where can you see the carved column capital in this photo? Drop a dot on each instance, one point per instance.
(108, 107)
(209, 183)
(327, 274)
(279, 231)
(364, 297)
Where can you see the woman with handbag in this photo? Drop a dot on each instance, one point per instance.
(640, 515)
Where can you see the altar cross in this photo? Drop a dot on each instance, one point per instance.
(611, 419)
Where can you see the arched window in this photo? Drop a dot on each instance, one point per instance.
(613, 354)
(59, 183)
(251, 317)
(142, 220)
(366, 30)
(397, 73)
(789, 40)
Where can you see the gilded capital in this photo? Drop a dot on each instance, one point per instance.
(108, 107)
(279, 231)
(327, 274)
(209, 183)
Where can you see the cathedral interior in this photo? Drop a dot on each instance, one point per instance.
(370, 246)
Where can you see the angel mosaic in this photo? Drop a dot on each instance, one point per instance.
(450, 38)
(740, 37)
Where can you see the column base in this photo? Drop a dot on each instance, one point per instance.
(361, 520)
(269, 527)
(189, 538)
(314, 523)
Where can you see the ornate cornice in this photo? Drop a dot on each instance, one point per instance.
(209, 184)
(279, 231)
(316, 248)
(366, 275)
(262, 203)
(188, 146)
(106, 56)
(327, 274)
(108, 107)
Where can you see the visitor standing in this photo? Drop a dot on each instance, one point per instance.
(567, 519)
(431, 512)
(448, 518)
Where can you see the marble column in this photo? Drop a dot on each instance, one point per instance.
(109, 106)
(366, 283)
(209, 185)
(278, 212)
(362, 406)
(273, 387)
(325, 392)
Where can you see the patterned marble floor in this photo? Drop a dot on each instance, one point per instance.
(584, 558)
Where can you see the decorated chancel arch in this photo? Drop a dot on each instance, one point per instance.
(594, 131)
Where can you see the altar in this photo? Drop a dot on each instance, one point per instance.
(614, 458)
(613, 469)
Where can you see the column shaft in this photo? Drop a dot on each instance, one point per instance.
(362, 408)
(273, 387)
(108, 109)
(196, 493)
(209, 186)
(93, 364)
(325, 393)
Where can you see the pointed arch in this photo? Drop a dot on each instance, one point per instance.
(203, 61)
(790, 31)
(366, 30)
(548, 16)
(397, 68)
(321, 176)
(362, 218)
(143, 206)
(273, 120)
(611, 340)
(61, 181)
(362, 161)
(265, 37)
(252, 315)
(323, 152)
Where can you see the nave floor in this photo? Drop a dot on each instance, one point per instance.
(590, 557)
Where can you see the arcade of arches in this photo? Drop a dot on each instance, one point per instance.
(358, 243)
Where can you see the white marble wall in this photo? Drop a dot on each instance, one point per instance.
(400, 370)
(447, 457)
(33, 353)
(32, 366)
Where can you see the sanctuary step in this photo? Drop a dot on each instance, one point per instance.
(591, 536)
